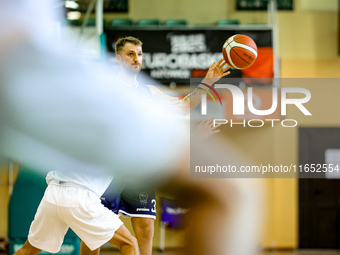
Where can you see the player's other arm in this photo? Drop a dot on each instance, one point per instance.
(174, 103)
(215, 72)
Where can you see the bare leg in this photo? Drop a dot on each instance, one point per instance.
(144, 230)
(28, 249)
(122, 239)
(84, 250)
(125, 241)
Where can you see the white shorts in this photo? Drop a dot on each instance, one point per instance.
(66, 206)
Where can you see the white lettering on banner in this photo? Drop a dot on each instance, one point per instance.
(187, 52)
(161, 60)
(17, 247)
(64, 249)
(176, 211)
(168, 74)
(188, 43)
(67, 249)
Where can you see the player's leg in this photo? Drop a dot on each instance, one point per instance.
(125, 241)
(27, 249)
(111, 200)
(122, 239)
(84, 250)
(107, 221)
(144, 230)
(139, 203)
(47, 230)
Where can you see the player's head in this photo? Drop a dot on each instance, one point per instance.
(129, 53)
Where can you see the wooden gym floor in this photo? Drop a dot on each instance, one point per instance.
(284, 252)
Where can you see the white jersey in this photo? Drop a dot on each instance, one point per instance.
(95, 183)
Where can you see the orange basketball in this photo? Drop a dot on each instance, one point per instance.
(239, 51)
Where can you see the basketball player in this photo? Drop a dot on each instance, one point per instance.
(137, 202)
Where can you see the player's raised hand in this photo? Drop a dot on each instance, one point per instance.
(217, 71)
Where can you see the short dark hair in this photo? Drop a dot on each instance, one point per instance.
(122, 41)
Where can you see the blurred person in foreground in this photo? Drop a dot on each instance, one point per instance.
(59, 113)
(134, 200)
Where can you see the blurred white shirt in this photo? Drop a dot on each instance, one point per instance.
(61, 113)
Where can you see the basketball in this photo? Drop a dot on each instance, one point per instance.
(239, 51)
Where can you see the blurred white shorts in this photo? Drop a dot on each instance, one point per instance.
(65, 206)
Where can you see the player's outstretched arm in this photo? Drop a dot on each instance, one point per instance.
(189, 102)
(173, 102)
(215, 72)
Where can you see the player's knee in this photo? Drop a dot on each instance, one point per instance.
(134, 242)
(148, 233)
(131, 243)
(145, 230)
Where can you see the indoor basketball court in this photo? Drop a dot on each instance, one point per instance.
(260, 81)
